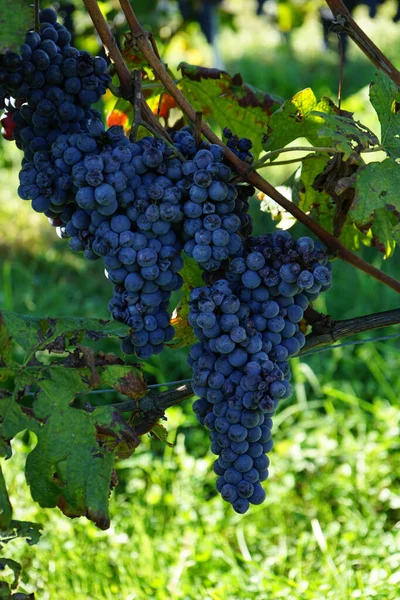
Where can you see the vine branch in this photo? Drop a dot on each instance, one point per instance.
(333, 244)
(325, 332)
(114, 54)
(346, 24)
(36, 10)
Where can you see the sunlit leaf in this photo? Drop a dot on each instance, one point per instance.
(228, 101)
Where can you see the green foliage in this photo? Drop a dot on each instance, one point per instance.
(327, 528)
(377, 187)
(15, 19)
(385, 98)
(71, 466)
(192, 278)
(320, 122)
(228, 102)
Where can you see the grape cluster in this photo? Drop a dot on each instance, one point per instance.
(47, 59)
(214, 210)
(48, 89)
(239, 146)
(126, 209)
(248, 328)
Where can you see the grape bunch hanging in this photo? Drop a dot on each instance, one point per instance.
(138, 205)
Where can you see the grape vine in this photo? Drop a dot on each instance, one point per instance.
(144, 205)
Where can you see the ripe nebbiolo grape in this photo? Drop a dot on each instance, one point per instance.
(58, 86)
(239, 388)
(239, 146)
(214, 209)
(129, 213)
(248, 328)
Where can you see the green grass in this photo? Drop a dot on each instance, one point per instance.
(330, 525)
(328, 528)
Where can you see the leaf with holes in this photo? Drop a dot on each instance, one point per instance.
(72, 464)
(320, 122)
(385, 98)
(377, 186)
(36, 333)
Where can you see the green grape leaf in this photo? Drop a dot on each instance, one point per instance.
(191, 274)
(292, 120)
(161, 433)
(385, 98)
(382, 231)
(228, 102)
(36, 333)
(319, 122)
(345, 134)
(72, 464)
(15, 19)
(5, 344)
(309, 197)
(31, 532)
(377, 186)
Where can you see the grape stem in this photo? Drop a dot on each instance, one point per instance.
(197, 126)
(124, 75)
(36, 10)
(137, 102)
(333, 244)
(346, 24)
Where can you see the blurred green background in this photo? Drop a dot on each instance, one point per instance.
(330, 526)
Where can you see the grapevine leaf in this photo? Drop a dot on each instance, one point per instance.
(71, 465)
(122, 114)
(128, 381)
(377, 186)
(5, 344)
(15, 19)
(36, 333)
(382, 230)
(228, 102)
(385, 98)
(320, 122)
(192, 278)
(309, 197)
(292, 120)
(21, 529)
(345, 134)
(161, 433)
